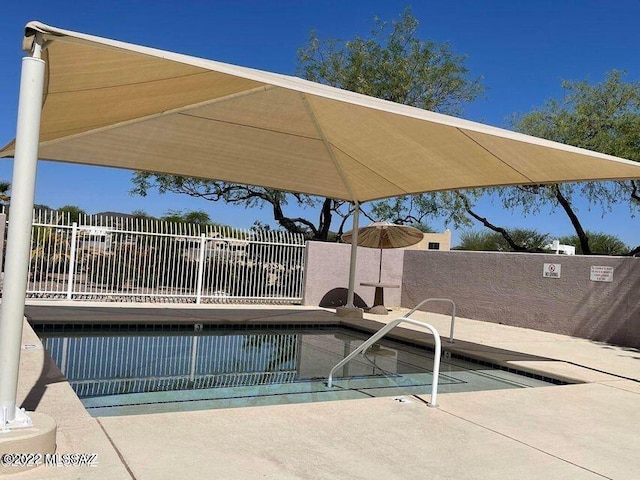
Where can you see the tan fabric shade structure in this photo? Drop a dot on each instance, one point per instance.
(384, 235)
(121, 105)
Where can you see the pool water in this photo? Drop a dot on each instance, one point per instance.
(149, 371)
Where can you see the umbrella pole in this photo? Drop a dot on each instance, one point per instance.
(354, 252)
(380, 268)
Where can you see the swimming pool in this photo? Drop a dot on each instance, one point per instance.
(152, 369)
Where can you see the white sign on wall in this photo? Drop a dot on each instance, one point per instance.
(601, 274)
(551, 270)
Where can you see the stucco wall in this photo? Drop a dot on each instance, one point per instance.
(327, 269)
(510, 289)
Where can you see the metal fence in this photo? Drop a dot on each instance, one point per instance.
(120, 258)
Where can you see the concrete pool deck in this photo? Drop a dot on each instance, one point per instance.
(582, 431)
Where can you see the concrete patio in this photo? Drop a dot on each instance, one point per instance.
(581, 431)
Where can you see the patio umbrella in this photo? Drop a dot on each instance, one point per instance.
(383, 235)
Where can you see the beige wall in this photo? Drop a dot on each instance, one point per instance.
(504, 288)
(327, 268)
(444, 239)
(510, 288)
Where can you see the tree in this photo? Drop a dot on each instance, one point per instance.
(197, 216)
(401, 68)
(604, 117)
(4, 192)
(527, 241)
(247, 196)
(391, 63)
(73, 212)
(5, 198)
(599, 242)
(477, 240)
(141, 214)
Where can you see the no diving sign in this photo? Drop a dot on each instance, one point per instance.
(551, 270)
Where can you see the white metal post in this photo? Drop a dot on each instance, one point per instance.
(354, 254)
(72, 259)
(200, 278)
(19, 234)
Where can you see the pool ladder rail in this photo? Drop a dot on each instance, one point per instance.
(382, 332)
(453, 312)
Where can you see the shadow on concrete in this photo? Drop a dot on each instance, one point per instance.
(338, 298)
(50, 374)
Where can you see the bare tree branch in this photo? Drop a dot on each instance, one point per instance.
(582, 236)
(505, 234)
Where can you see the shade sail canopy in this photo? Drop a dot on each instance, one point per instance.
(385, 235)
(122, 105)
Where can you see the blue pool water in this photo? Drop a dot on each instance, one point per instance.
(147, 371)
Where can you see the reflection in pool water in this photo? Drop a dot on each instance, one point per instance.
(117, 373)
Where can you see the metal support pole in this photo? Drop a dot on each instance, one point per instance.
(19, 235)
(354, 254)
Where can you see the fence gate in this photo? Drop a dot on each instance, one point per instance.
(123, 258)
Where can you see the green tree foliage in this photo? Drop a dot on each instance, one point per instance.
(485, 240)
(74, 212)
(423, 227)
(4, 192)
(599, 242)
(477, 240)
(604, 117)
(246, 196)
(198, 217)
(142, 214)
(390, 63)
(395, 65)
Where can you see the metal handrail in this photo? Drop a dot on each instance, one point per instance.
(453, 313)
(381, 333)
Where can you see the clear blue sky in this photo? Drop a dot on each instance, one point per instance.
(523, 49)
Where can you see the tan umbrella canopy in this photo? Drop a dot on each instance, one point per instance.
(384, 235)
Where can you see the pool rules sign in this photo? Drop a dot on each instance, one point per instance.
(551, 270)
(601, 274)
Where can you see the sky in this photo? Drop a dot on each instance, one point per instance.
(522, 49)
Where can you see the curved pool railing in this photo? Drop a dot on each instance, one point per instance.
(453, 312)
(381, 333)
